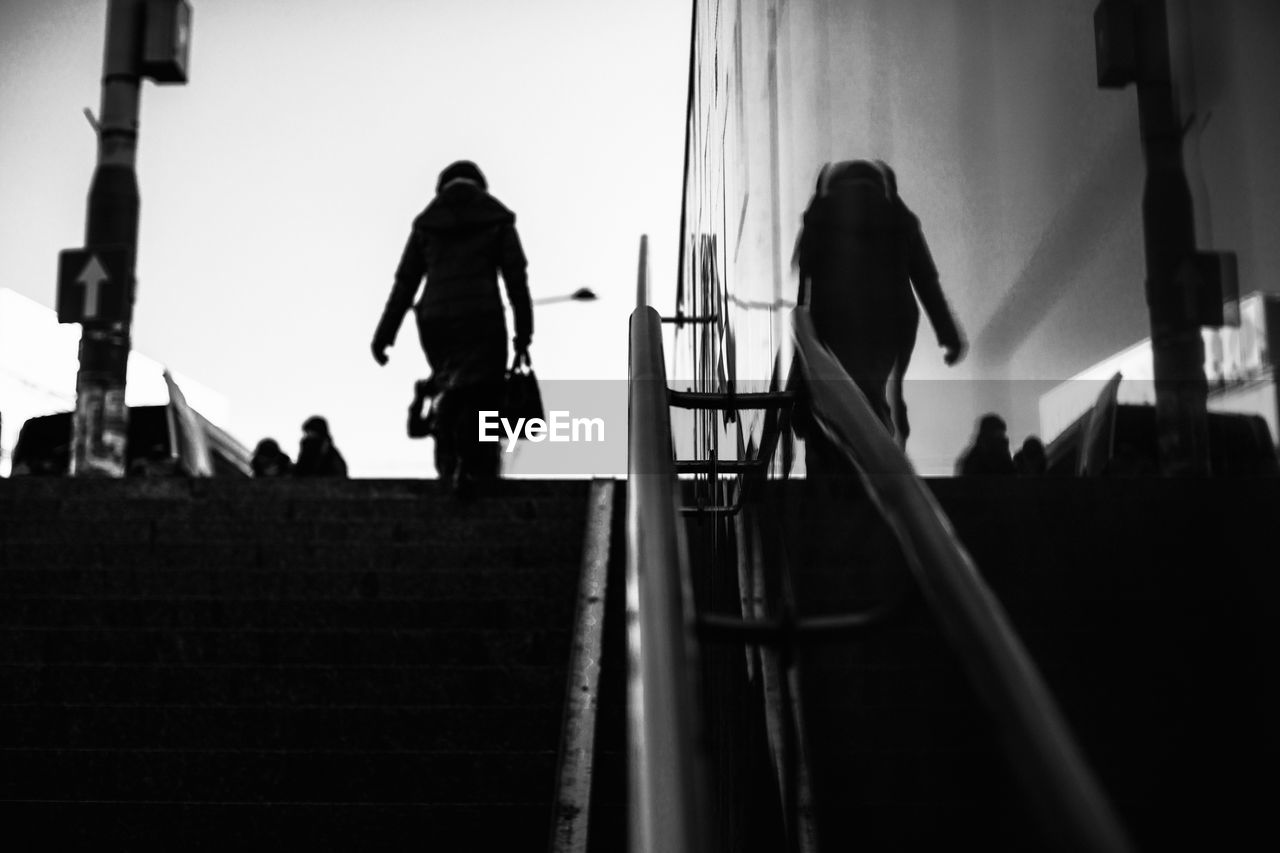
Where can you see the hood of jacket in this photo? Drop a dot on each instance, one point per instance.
(463, 204)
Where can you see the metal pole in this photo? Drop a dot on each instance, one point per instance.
(1169, 241)
(101, 422)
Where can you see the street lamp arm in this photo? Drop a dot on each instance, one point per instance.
(582, 294)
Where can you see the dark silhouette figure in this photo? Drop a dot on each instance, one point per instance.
(1030, 460)
(989, 452)
(860, 254)
(317, 456)
(269, 460)
(460, 243)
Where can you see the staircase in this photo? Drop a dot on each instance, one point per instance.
(1146, 604)
(333, 665)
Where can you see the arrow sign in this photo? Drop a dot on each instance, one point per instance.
(92, 277)
(93, 285)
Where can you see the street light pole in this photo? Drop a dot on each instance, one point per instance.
(101, 422)
(143, 38)
(1185, 288)
(1169, 240)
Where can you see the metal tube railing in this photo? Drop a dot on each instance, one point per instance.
(1040, 745)
(662, 714)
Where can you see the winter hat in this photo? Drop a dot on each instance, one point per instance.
(268, 446)
(315, 423)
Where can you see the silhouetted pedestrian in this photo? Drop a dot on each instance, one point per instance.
(317, 455)
(460, 243)
(1030, 460)
(269, 460)
(860, 254)
(989, 452)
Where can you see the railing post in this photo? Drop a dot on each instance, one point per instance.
(145, 38)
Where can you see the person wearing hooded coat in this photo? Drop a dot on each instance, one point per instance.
(269, 460)
(460, 243)
(317, 455)
(988, 453)
(860, 255)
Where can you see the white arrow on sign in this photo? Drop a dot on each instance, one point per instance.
(92, 277)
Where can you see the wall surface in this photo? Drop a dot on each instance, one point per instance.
(1026, 176)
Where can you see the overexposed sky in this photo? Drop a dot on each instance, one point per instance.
(278, 185)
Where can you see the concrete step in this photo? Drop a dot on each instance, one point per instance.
(43, 494)
(139, 613)
(225, 826)
(443, 727)
(269, 776)
(507, 550)
(340, 647)
(442, 584)
(325, 685)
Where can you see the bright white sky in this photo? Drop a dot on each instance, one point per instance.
(279, 184)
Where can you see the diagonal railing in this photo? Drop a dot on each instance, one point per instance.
(1041, 747)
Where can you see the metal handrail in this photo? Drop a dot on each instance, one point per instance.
(1041, 747)
(664, 761)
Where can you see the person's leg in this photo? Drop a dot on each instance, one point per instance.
(871, 375)
(872, 387)
(446, 436)
(478, 460)
(468, 356)
(434, 335)
(898, 386)
(488, 455)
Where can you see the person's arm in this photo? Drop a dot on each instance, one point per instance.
(408, 277)
(924, 278)
(800, 263)
(513, 265)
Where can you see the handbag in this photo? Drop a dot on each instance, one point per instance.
(422, 425)
(521, 397)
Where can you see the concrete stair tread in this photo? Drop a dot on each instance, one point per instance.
(349, 646)
(143, 613)
(388, 684)
(346, 557)
(275, 776)
(320, 826)
(475, 728)
(171, 584)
